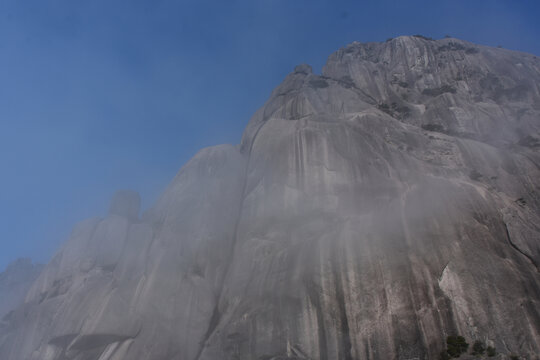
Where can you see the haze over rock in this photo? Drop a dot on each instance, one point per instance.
(368, 213)
(15, 282)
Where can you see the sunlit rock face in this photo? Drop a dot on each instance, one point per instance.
(368, 213)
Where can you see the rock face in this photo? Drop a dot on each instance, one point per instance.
(368, 213)
(15, 282)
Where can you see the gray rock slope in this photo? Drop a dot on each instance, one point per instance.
(15, 282)
(368, 213)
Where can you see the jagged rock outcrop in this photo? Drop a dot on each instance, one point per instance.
(15, 282)
(368, 213)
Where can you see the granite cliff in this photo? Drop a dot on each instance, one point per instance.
(368, 213)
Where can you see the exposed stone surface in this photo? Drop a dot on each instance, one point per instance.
(15, 282)
(367, 214)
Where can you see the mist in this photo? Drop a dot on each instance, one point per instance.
(98, 97)
(204, 180)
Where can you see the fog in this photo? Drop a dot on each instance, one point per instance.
(97, 97)
(362, 206)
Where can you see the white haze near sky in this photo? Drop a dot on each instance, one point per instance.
(102, 95)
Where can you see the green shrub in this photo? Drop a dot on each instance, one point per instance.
(491, 351)
(478, 348)
(456, 345)
(444, 355)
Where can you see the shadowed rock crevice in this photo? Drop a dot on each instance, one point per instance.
(515, 247)
(212, 325)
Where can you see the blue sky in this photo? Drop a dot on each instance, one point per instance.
(101, 95)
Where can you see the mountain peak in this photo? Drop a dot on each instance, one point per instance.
(370, 212)
(303, 69)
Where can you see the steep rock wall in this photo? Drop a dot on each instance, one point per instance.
(368, 213)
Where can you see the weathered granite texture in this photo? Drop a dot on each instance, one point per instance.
(368, 213)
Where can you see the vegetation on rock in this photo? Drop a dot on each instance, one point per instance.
(478, 348)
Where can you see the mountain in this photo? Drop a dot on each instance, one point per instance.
(15, 282)
(368, 213)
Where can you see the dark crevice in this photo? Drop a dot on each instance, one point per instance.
(214, 320)
(351, 85)
(530, 258)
